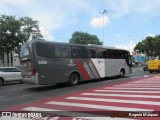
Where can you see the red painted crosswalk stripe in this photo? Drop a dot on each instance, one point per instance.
(101, 101)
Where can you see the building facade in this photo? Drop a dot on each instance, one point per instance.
(16, 62)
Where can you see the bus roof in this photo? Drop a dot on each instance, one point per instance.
(83, 45)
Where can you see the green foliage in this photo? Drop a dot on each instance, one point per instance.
(14, 32)
(149, 46)
(30, 28)
(9, 26)
(84, 38)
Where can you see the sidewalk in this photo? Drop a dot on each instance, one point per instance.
(137, 69)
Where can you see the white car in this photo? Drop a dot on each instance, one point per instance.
(8, 74)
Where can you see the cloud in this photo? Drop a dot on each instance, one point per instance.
(16, 2)
(99, 22)
(52, 15)
(50, 21)
(129, 47)
(118, 35)
(46, 34)
(3, 9)
(121, 8)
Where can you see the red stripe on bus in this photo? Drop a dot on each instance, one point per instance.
(82, 70)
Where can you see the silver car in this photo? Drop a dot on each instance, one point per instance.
(8, 74)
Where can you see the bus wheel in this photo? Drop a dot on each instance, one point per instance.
(150, 71)
(121, 73)
(74, 79)
(1, 81)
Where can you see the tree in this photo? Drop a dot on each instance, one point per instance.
(149, 46)
(157, 45)
(84, 38)
(9, 26)
(15, 31)
(29, 29)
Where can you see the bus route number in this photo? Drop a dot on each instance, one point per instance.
(42, 62)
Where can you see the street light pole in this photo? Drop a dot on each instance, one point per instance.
(129, 43)
(104, 12)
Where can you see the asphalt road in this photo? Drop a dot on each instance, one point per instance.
(15, 94)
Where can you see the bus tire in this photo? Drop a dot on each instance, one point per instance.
(74, 79)
(121, 73)
(1, 81)
(150, 71)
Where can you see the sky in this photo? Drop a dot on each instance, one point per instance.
(125, 23)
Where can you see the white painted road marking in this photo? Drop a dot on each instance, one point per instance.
(116, 100)
(128, 91)
(103, 107)
(137, 85)
(132, 88)
(145, 82)
(121, 95)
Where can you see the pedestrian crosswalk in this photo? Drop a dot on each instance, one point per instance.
(128, 91)
(136, 96)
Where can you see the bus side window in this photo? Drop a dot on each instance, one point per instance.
(85, 52)
(101, 53)
(114, 54)
(62, 51)
(105, 54)
(43, 48)
(51, 53)
(77, 52)
(119, 54)
(109, 54)
(122, 55)
(126, 55)
(92, 53)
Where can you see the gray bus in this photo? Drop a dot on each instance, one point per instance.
(45, 63)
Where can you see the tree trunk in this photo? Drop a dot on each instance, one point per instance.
(11, 59)
(7, 58)
(3, 58)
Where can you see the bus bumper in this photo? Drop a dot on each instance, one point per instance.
(31, 79)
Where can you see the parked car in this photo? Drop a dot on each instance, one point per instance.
(8, 74)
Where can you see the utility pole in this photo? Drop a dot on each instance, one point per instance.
(104, 12)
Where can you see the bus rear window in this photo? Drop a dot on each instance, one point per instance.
(25, 50)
